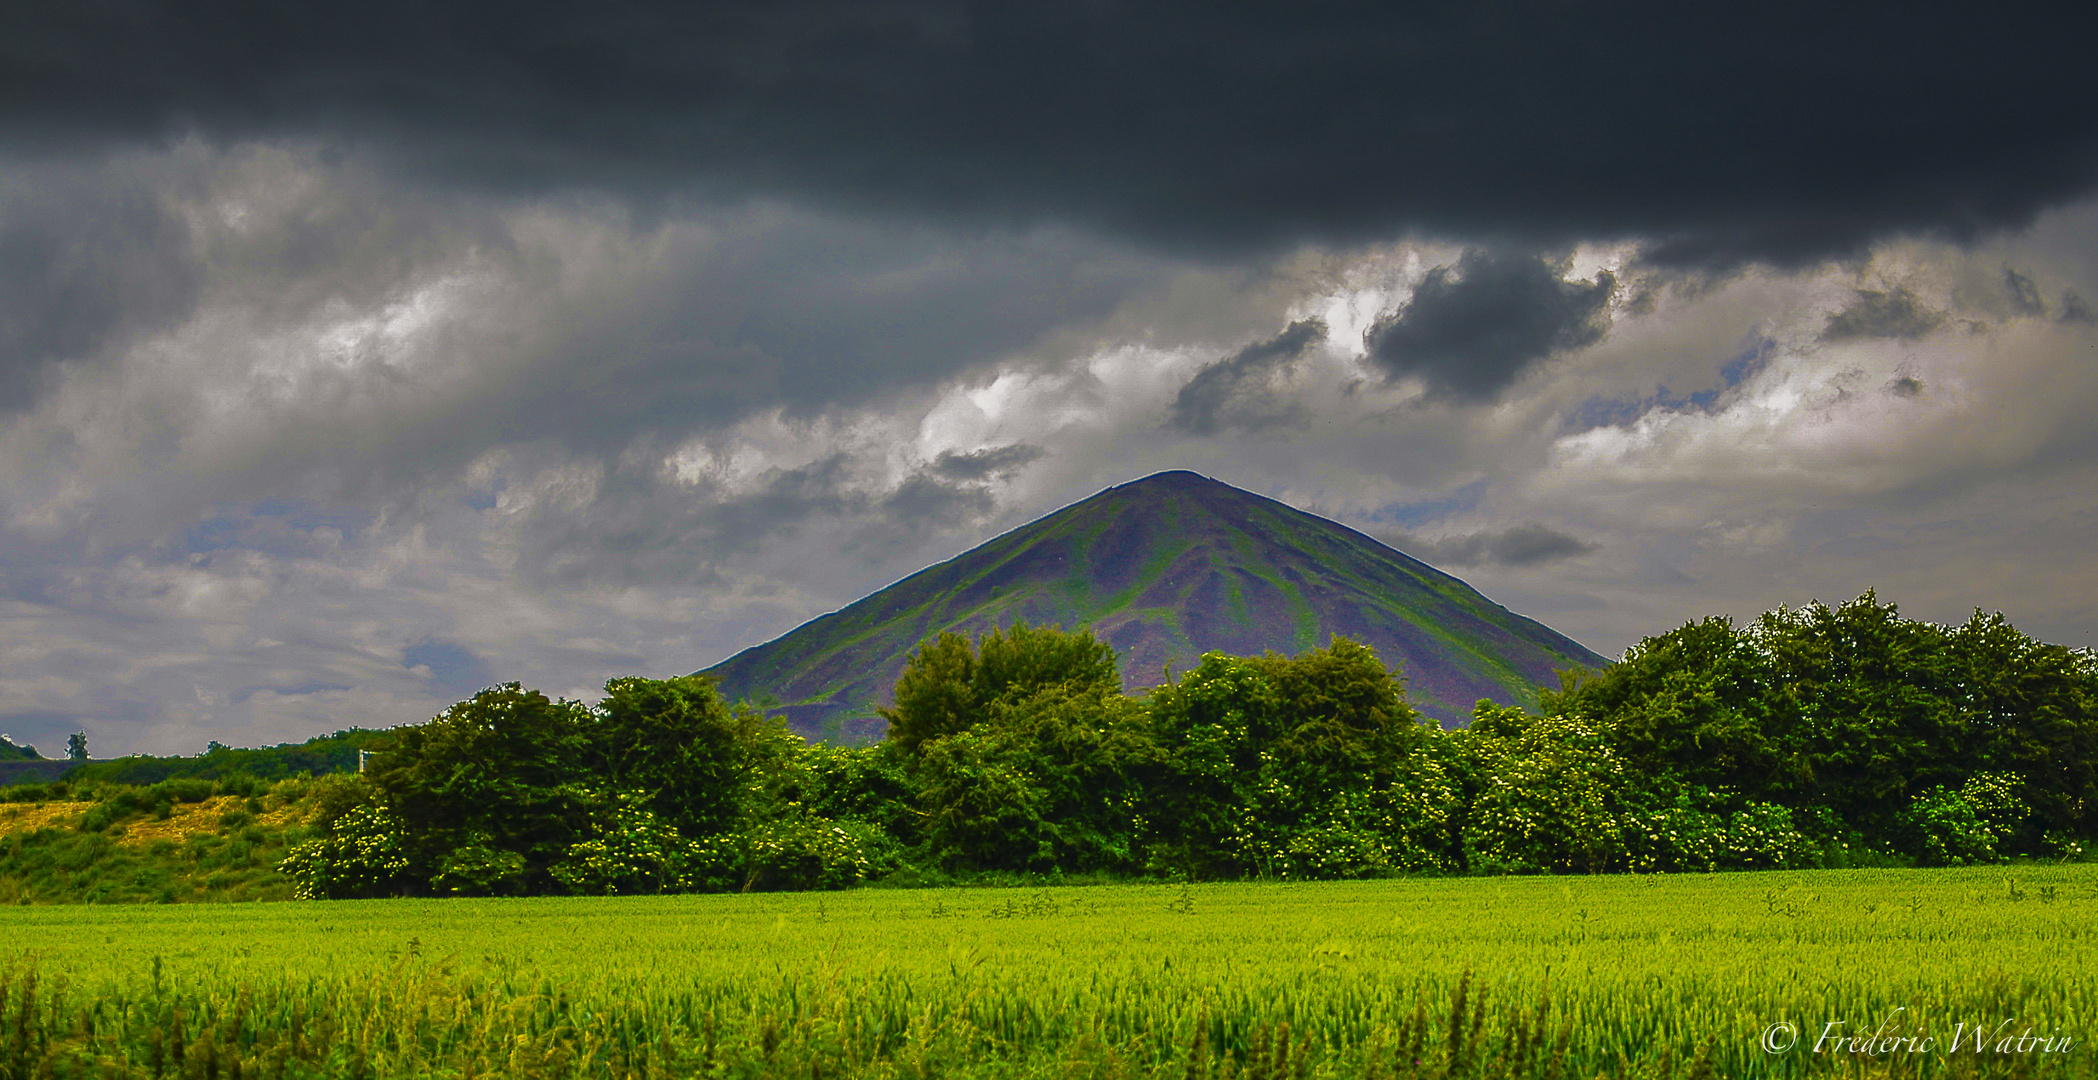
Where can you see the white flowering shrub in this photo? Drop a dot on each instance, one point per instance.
(1552, 797)
(1678, 836)
(805, 851)
(364, 853)
(630, 850)
(1763, 836)
(1957, 828)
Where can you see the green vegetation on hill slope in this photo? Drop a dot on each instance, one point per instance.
(1164, 570)
(179, 840)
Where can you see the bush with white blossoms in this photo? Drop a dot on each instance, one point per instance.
(364, 853)
(1956, 828)
(630, 850)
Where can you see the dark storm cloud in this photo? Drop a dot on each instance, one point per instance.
(924, 500)
(2074, 310)
(2024, 293)
(1896, 313)
(86, 263)
(1786, 131)
(641, 527)
(803, 312)
(573, 323)
(1472, 334)
(1234, 393)
(986, 463)
(638, 527)
(1523, 545)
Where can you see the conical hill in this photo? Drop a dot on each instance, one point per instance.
(1165, 569)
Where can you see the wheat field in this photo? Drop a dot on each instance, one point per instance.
(1531, 976)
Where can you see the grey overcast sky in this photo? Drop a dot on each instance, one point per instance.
(353, 357)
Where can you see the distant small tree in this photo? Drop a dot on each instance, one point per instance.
(76, 746)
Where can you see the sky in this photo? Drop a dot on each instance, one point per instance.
(353, 358)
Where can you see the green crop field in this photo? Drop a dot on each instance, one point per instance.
(1571, 976)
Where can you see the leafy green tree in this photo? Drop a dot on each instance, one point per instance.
(76, 746)
(503, 771)
(1875, 716)
(2031, 709)
(1305, 766)
(711, 796)
(1021, 661)
(1051, 781)
(948, 686)
(698, 763)
(936, 695)
(1696, 703)
(1849, 714)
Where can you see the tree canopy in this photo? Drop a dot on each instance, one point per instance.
(1815, 736)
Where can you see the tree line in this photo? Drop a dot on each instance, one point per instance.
(1818, 736)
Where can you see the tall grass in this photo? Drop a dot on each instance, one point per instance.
(1532, 977)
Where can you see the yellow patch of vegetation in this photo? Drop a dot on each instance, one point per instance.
(29, 817)
(184, 820)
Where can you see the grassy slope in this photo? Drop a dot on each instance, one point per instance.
(1165, 569)
(178, 842)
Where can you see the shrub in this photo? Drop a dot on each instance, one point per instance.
(363, 854)
(1555, 797)
(629, 850)
(475, 869)
(1956, 828)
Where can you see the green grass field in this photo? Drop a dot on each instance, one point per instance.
(1643, 976)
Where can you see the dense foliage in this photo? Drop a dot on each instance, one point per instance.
(1941, 743)
(1817, 737)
